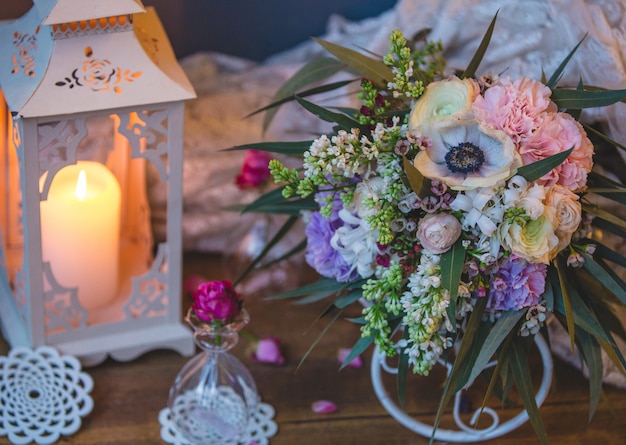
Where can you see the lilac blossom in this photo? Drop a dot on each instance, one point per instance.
(516, 284)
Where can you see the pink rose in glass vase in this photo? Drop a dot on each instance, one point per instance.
(216, 301)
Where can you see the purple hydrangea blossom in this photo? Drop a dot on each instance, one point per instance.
(517, 284)
(320, 255)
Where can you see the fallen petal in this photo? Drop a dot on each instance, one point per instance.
(342, 355)
(268, 351)
(323, 407)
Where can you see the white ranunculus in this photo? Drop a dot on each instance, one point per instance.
(534, 241)
(443, 98)
(493, 158)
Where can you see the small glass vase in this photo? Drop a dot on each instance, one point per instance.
(214, 394)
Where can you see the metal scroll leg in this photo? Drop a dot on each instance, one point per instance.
(464, 433)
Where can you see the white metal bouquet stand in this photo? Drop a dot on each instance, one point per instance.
(465, 432)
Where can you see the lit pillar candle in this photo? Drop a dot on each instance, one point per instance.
(80, 231)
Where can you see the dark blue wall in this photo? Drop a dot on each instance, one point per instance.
(255, 29)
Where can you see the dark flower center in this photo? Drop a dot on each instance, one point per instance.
(465, 158)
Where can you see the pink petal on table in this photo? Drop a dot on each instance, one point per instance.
(268, 351)
(323, 407)
(342, 355)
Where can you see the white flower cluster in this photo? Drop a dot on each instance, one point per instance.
(425, 302)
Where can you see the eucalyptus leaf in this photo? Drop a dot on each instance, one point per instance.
(319, 337)
(523, 381)
(591, 352)
(418, 182)
(498, 333)
(470, 71)
(605, 276)
(556, 76)
(349, 298)
(607, 253)
(451, 265)
(374, 70)
(285, 148)
(454, 377)
(586, 99)
(590, 129)
(274, 196)
(536, 170)
(361, 345)
(286, 227)
(567, 303)
(314, 71)
(345, 122)
(605, 215)
(321, 285)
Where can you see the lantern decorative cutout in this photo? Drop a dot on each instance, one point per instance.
(92, 123)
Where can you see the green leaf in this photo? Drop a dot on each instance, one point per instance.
(321, 285)
(554, 79)
(418, 182)
(605, 215)
(345, 122)
(590, 129)
(361, 345)
(454, 377)
(451, 265)
(606, 277)
(403, 370)
(536, 170)
(502, 328)
(349, 298)
(607, 253)
(601, 185)
(319, 337)
(521, 375)
(586, 99)
(567, 303)
(374, 70)
(285, 148)
(312, 72)
(470, 71)
(275, 239)
(592, 356)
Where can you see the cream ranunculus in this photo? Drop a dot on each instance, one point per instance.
(443, 98)
(465, 155)
(535, 241)
(437, 232)
(568, 212)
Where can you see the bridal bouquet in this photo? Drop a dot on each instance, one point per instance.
(457, 209)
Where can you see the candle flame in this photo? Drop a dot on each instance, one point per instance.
(81, 186)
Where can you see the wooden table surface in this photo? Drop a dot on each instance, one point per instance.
(128, 396)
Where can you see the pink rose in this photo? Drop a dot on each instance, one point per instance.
(268, 351)
(216, 301)
(254, 170)
(342, 355)
(437, 232)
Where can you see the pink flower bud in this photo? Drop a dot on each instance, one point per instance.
(268, 351)
(323, 407)
(216, 301)
(437, 232)
(342, 355)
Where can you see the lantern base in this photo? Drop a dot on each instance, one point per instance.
(127, 346)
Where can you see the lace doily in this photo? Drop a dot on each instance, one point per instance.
(260, 427)
(42, 395)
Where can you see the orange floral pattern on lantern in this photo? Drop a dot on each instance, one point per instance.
(98, 75)
(24, 60)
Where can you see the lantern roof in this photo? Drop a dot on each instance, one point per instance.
(72, 56)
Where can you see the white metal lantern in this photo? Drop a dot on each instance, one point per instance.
(92, 109)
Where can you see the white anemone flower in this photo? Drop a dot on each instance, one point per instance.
(465, 155)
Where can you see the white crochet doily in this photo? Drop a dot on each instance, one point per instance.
(42, 395)
(260, 427)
